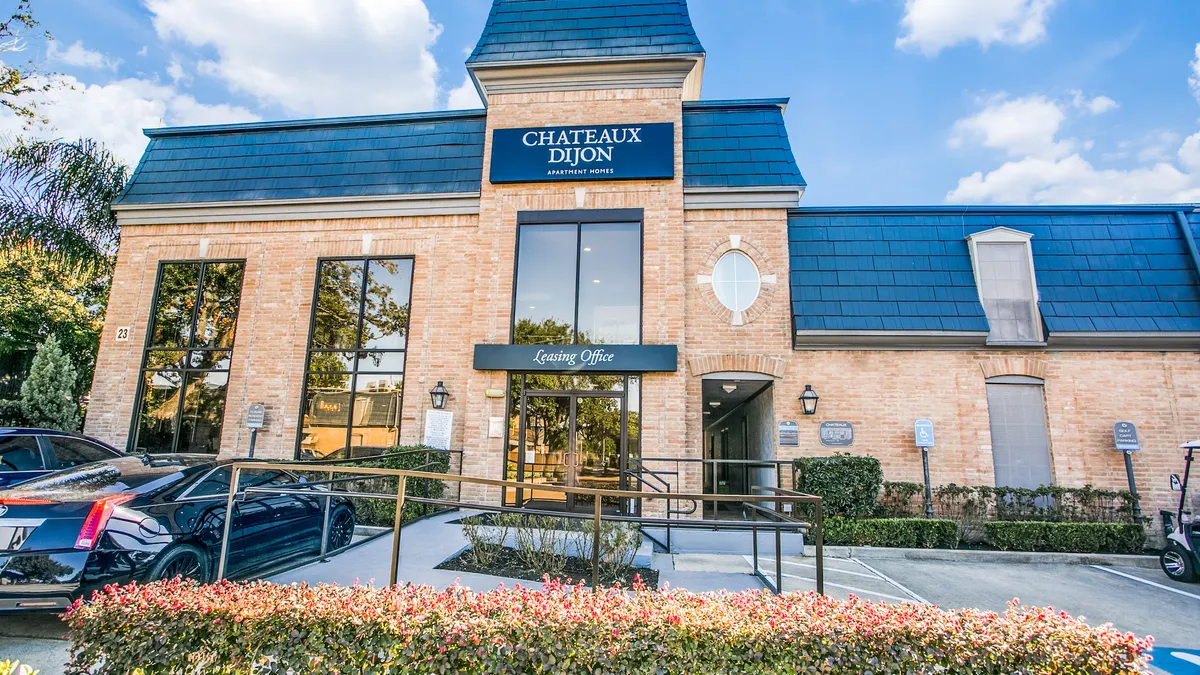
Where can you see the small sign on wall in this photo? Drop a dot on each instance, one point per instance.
(495, 427)
(789, 433)
(837, 434)
(923, 433)
(1125, 436)
(438, 424)
(122, 334)
(256, 415)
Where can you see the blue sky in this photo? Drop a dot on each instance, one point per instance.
(892, 101)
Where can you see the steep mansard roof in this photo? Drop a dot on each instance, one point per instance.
(538, 30)
(1098, 269)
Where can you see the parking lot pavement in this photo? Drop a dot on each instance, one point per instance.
(37, 640)
(1167, 610)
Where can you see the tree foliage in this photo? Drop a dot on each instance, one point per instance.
(46, 395)
(18, 82)
(58, 195)
(44, 296)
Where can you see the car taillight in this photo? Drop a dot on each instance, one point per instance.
(97, 518)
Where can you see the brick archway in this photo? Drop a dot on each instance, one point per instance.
(1015, 365)
(742, 363)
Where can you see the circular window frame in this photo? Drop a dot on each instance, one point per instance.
(768, 281)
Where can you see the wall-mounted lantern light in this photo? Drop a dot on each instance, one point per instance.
(438, 395)
(809, 400)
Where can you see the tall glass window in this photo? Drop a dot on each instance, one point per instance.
(354, 378)
(578, 283)
(185, 367)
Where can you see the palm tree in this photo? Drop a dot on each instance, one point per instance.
(58, 196)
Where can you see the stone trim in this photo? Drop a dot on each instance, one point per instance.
(768, 275)
(312, 208)
(744, 363)
(1015, 365)
(698, 199)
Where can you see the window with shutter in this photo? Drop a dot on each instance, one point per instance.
(1020, 446)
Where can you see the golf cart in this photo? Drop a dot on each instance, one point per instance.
(1181, 558)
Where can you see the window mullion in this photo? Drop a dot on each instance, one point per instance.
(578, 262)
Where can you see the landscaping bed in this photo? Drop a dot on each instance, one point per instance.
(510, 563)
(267, 628)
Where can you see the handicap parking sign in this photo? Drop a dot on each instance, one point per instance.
(1176, 661)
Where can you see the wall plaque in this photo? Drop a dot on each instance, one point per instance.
(789, 433)
(595, 152)
(438, 424)
(837, 434)
(578, 358)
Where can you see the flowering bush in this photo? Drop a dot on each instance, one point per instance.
(179, 627)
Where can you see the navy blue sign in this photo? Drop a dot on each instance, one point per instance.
(575, 358)
(601, 152)
(1125, 436)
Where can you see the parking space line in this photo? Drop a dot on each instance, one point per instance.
(830, 569)
(891, 581)
(1146, 581)
(853, 589)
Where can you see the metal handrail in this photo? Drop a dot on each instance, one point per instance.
(780, 522)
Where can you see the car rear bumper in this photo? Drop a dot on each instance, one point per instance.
(41, 581)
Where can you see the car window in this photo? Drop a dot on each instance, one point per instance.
(20, 453)
(217, 482)
(73, 451)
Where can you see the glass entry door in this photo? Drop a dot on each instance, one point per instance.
(574, 438)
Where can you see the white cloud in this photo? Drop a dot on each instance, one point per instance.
(176, 71)
(313, 57)
(933, 25)
(1194, 79)
(144, 50)
(1095, 106)
(1019, 127)
(1044, 167)
(78, 55)
(115, 113)
(464, 96)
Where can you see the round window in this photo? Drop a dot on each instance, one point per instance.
(736, 282)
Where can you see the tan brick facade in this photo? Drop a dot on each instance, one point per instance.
(462, 295)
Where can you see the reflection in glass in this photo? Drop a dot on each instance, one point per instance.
(203, 412)
(218, 312)
(337, 415)
(547, 427)
(176, 298)
(158, 412)
(339, 291)
(331, 361)
(610, 283)
(545, 298)
(326, 414)
(385, 312)
(195, 305)
(378, 362)
(598, 446)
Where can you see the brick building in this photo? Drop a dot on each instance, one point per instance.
(606, 272)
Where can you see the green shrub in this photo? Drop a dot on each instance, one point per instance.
(225, 628)
(891, 532)
(47, 393)
(1066, 537)
(848, 484)
(382, 512)
(12, 414)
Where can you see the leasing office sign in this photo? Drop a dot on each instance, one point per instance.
(602, 152)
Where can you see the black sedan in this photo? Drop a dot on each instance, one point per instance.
(149, 518)
(26, 454)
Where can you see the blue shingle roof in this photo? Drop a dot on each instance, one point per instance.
(529, 30)
(737, 144)
(1100, 269)
(423, 153)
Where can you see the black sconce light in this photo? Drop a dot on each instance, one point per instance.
(809, 400)
(438, 395)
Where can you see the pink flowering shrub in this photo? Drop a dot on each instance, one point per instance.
(259, 627)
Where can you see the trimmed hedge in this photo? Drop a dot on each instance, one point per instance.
(262, 627)
(894, 532)
(848, 484)
(382, 512)
(1066, 537)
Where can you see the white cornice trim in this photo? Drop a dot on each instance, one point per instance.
(684, 71)
(1127, 341)
(888, 339)
(313, 208)
(1130, 341)
(763, 197)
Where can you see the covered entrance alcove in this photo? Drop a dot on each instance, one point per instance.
(573, 430)
(739, 435)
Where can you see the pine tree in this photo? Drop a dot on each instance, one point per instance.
(46, 393)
